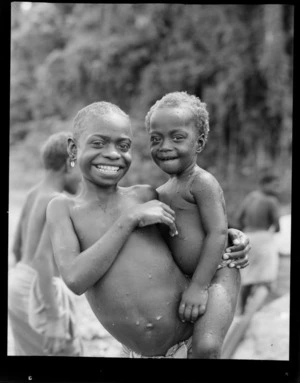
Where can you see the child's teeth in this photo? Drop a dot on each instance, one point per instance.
(108, 168)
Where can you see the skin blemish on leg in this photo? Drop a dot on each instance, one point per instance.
(137, 322)
(149, 276)
(158, 317)
(149, 326)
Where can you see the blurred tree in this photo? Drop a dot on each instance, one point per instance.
(237, 58)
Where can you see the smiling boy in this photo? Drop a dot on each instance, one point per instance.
(108, 246)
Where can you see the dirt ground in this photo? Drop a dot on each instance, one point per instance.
(98, 342)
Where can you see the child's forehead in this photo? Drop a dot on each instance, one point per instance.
(171, 116)
(110, 124)
(179, 113)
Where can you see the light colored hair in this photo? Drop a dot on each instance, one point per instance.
(54, 151)
(183, 100)
(96, 109)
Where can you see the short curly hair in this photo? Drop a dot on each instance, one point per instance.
(101, 108)
(54, 151)
(183, 99)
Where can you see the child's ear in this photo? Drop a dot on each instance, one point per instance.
(200, 143)
(72, 149)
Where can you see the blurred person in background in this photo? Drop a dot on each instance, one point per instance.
(258, 217)
(40, 306)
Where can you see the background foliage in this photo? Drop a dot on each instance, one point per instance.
(236, 58)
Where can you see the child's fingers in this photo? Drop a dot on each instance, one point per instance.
(202, 309)
(242, 246)
(234, 254)
(166, 214)
(171, 223)
(195, 313)
(241, 265)
(168, 209)
(187, 313)
(181, 311)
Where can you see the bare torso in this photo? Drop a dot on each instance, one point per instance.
(186, 247)
(137, 299)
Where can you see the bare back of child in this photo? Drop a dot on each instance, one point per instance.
(198, 202)
(36, 268)
(258, 215)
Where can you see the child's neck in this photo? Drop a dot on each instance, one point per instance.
(54, 180)
(94, 192)
(186, 172)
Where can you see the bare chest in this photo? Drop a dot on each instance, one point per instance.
(92, 221)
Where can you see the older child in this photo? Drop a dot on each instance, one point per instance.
(178, 128)
(106, 242)
(259, 217)
(40, 307)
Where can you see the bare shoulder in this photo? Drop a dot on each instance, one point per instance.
(143, 193)
(204, 181)
(273, 201)
(58, 205)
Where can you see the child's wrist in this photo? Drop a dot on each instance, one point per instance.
(200, 285)
(131, 220)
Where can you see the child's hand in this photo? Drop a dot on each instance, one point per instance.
(154, 212)
(237, 254)
(193, 303)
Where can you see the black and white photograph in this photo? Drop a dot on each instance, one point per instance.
(150, 181)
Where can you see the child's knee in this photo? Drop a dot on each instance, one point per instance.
(207, 348)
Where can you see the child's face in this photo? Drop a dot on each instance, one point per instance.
(103, 149)
(174, 140)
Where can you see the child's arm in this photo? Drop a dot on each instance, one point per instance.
(209, 198)
(81, 270)
(239, 218)
(17, 244)
(274, 215)
(54, 332)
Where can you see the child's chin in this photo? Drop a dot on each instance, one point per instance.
(169, 168)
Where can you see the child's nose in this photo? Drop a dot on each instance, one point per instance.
(111, 152)
(166, 145)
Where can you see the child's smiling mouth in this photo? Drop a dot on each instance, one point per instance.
(167, 158)
(107, 169)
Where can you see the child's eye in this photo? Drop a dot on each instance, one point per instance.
(178, 138)
(98, 144)
(124, 147)
(154, 139)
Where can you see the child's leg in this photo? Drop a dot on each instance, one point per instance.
(245, 293)
(211, 328)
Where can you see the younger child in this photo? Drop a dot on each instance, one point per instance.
(259, 217)
(178, 128)
(40, 307)
(107, 245)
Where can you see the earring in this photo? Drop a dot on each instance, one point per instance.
(72, 163)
